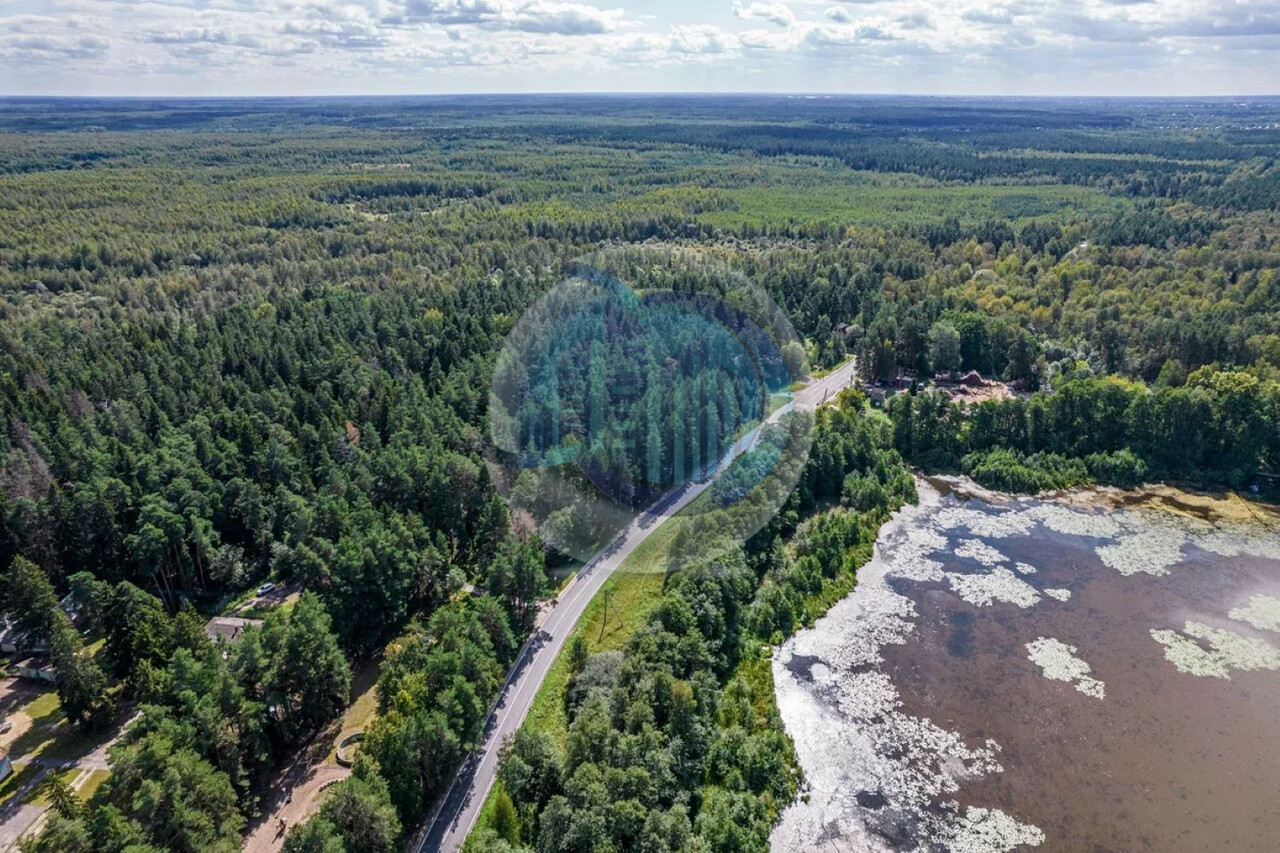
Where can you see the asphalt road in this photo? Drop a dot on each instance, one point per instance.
(460, 808)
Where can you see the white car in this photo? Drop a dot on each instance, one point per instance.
(266, 588)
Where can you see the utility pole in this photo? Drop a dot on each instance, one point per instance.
(608, 588)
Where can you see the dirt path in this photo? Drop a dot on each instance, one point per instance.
(295, 793)
(296, 797)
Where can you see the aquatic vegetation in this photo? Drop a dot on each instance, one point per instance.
(991, 830)
(1262, 612)
(1151, 552)
(1226, 650)
(878, 769)
(1234, 540)
(984, 524)
(1074, 522)
(1058, 662)
(908, 762)
(825, 683)
(976, 549)
(908, 555)
(1000, 584)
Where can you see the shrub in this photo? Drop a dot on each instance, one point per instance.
(1009, 471)
(1122, 468)
(863, 493)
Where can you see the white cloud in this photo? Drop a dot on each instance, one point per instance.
(700, 39)
(775, 13)
(769, 39)
(1015, 38)
(205, 35)
(234, 46)
(918, 20)
(529, 16)
(45, 48)
(451, 11)
(347, 35)
(562, 18)
(987, 15)
(840, 36)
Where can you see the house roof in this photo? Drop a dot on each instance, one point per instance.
(229, 629)
(36, 662)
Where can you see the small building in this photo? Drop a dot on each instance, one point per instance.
(229, 629)
(36, 668)
(973, 379)
(73, 609)
(9, 638)
(14, 641)
(878, 394)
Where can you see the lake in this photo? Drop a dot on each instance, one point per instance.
(1098, 671)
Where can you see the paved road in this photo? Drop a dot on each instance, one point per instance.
(461, 806)
(18, 818)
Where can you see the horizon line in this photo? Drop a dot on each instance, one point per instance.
(637, 94)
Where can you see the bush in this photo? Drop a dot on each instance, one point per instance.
(1009, 471)
(1121, 468)
(864, 493)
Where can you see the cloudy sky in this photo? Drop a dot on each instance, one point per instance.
(252, 47)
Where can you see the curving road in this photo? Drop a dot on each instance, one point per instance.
(458, 811)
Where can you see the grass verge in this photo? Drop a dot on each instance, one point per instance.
(41, 795)
(363, 708)
(51, 735)
(12, 784)
(91, 785)
(630, 595)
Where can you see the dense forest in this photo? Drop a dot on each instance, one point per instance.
(250, 341)
(1217, 427)
(617, 382)
(673, 741)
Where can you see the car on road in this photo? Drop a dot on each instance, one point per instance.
(266, 588)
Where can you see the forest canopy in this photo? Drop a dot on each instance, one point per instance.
(254, 341)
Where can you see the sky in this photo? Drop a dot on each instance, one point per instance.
(349, 47)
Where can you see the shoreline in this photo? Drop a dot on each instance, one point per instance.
(840, 707)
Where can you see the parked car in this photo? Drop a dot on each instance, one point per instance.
(266, 588)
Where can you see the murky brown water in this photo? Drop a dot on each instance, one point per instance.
(1165, 761)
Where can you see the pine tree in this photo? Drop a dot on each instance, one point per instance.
(599, 395)
(505, 821)
(653, 433)
(30, 598)
(678, 427)
(81, 683)
(60, 796)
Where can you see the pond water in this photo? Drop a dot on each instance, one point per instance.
(1092, 673)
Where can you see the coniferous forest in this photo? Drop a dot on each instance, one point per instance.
(249, 342)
